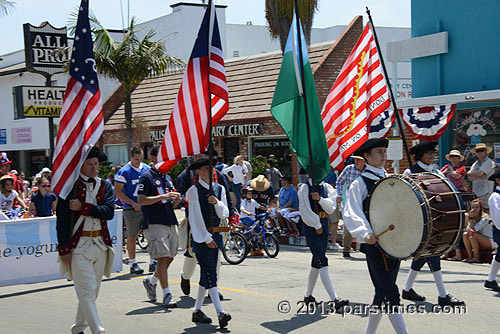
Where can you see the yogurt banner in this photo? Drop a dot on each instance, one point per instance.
(28, 249)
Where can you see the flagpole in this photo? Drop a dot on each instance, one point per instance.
(210, 145)
(393, 100)
(302, 78)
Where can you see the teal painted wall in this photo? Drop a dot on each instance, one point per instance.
(473, 59)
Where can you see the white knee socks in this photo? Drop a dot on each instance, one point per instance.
(214, 296)
(373, 321)
(311, 282)
(398, 323)
(199, 298)
(410, 280)
(438, 278)
(327, 283)
(495, 266)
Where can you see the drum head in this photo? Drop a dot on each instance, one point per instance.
(395, 201)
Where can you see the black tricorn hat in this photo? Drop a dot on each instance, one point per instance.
(371, 143)
(422, 147)
(95, 152)
(198, 163)
(496, 175)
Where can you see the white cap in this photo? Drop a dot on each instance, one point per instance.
(45, 170)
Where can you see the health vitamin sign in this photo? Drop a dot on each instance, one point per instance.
(45, 47)
(38, 101)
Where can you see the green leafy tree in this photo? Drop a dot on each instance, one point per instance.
(130, 61)
(279, 15)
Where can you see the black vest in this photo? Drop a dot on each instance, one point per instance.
(370, 184)
(417, 169)
(323, 193)
(205, 207)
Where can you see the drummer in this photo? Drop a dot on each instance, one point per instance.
(424, 155)
(383, 270)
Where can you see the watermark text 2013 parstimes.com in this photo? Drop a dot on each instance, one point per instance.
(325, 308)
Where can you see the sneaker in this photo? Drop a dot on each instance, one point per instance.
(492, 285)
(449, 300)
(168, 301)
(334, 246)
(185, 286)
(136, 270)
(152, 267)
(150, 289)
(412, 295)
(200, 317)
(259, 252)
(223, 319)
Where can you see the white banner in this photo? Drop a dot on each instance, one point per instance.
(28, 249)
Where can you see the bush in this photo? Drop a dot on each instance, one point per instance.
(259, 165)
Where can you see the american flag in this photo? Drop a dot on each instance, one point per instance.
(81, 121)
(187, 130)
(358, 96)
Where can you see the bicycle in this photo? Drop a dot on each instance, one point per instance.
(259, 235)
(235, 248)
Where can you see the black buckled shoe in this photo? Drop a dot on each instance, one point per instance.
(449, 300)
(310, 299)
(339, 303)
(201, 317)
(223, 319)
(492, 285)
(185, 286)
(412, 295)
(346, 254)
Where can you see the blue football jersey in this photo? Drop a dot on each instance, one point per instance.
(129, 176)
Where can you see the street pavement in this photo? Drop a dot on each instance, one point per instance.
(257, 293)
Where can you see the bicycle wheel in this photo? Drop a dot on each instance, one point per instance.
(235, 248)
(271, 245)
(141, 241)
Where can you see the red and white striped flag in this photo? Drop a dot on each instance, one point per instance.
(187, 130)
(358, 96)
(81, 121)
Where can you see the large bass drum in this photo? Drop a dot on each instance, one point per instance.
(426, 211)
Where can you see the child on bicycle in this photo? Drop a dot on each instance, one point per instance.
(247, 208)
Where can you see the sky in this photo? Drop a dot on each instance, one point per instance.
(388, 13)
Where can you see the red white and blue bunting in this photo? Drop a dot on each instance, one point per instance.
(382, 124)
(428, 123)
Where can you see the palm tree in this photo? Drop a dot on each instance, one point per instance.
(6, 7)
(279, 14)
(130, 61)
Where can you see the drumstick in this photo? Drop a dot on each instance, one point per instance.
(390, 228)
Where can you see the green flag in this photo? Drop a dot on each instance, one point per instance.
(288, 108)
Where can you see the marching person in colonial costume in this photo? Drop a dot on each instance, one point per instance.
(315, 204)
(84, 248)
(157, 196)
(185, 180)
(205, 223)
(494, 203)
(383, 270)
(424, 155)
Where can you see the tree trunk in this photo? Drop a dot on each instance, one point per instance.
(128, 120)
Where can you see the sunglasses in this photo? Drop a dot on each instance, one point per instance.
(481, 150)
(45, 186)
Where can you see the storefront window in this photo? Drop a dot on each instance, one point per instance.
(279, 147)
(116, 154)
(473, 126)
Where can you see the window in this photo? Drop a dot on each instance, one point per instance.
(116, 154)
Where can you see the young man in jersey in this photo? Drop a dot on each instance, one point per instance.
(157, 196)
(424, 153)
(383, 270)
(126, 183)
